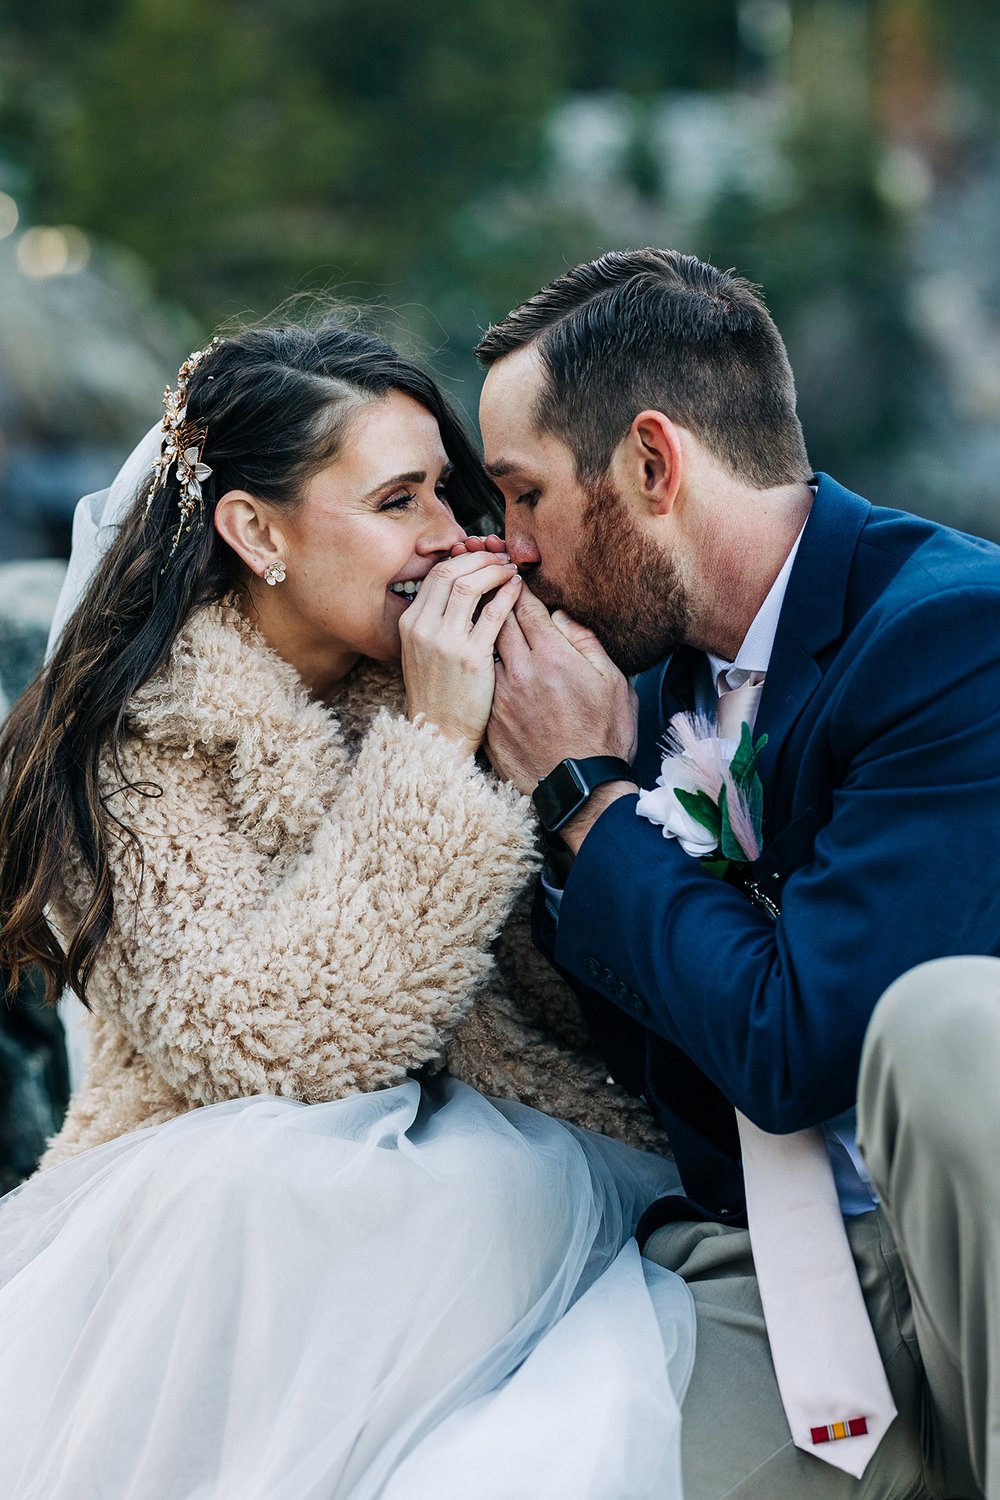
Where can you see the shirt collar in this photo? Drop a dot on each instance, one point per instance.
(755, 653)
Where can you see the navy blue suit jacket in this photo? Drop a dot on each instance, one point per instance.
(881, 840)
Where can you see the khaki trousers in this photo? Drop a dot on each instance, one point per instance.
(928, 1260)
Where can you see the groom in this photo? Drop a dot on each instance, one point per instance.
(639, 416)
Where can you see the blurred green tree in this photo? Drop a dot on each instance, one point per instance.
(831, 251)
(654, 47)
(240, 149)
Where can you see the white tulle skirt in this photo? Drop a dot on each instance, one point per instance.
(415, 1293)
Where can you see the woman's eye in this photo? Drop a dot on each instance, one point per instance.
(398, 502)
(529, 498)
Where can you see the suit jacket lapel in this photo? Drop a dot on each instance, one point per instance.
(676, 693)
(663, 692)
(812, 615)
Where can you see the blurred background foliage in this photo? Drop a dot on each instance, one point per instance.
(166, 165)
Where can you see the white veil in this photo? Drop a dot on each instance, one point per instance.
(95, 521)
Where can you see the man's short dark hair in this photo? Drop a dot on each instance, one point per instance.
(639, 329)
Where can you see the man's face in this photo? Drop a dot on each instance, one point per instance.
(579, 547)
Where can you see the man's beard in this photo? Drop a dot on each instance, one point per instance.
(621, 586)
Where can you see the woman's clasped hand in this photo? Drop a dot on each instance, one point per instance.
(448, 636)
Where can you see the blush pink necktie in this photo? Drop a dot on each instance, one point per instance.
(738, 705)
(830, 1373)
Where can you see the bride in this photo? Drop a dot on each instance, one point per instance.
(269, 862)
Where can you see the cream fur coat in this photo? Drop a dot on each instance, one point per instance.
(325, 904)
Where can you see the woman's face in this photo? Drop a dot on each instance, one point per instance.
(366, 531)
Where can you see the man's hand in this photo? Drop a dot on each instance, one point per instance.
(558, 694)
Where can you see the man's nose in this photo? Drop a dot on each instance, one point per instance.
(521, 545)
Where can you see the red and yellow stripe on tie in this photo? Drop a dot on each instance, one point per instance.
(856, 1427)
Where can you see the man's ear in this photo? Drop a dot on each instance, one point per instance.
(651, 457)
(250, 528)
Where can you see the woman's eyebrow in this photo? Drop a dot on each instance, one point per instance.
(413, 476)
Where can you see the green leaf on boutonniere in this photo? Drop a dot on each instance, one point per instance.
(728, 843)
(753, 796)
(699, 805)
(715, 866)
(744, 762)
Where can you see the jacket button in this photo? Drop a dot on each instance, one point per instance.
(593, 968)
(638, 1004)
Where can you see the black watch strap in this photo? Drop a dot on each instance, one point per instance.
(566, 789)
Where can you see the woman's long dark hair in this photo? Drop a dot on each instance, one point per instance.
(276, 403)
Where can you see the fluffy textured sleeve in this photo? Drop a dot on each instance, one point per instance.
(330, 971)
(526, 1039)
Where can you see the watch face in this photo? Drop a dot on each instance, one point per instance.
(559, 794)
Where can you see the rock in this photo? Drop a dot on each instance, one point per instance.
(28, 594)
(84, 357)
(34, 1082)
(34, 1079)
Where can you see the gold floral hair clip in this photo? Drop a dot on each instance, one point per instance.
(183, 444)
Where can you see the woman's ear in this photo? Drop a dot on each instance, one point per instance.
(653, 458)
(249, 527)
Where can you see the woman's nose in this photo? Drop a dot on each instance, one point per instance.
(443, 534)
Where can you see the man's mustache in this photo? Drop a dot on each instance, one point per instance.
(540, 586)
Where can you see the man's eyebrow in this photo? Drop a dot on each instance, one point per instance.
(415, 476)
(503, 468)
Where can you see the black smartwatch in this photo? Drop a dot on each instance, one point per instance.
(562, 793)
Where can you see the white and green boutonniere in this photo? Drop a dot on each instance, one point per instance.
(708, 795)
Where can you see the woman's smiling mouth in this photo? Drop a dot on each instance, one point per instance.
(407, 590)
